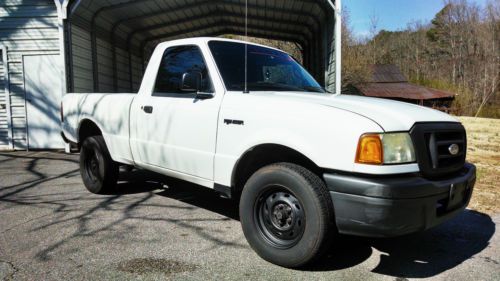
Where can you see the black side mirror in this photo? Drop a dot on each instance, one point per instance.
(191, 82)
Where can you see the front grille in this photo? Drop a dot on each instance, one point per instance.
(432, 143)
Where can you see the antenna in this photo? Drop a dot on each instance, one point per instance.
(246, 48)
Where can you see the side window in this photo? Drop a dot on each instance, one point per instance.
(175, 62)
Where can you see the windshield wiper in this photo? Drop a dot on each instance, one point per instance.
(267, 86)
(314, 89)
(270, 86)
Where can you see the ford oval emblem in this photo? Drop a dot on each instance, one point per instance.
(454, 149)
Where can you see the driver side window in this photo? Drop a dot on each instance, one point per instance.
(175, 62)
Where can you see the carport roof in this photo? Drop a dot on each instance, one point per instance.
(138, 22)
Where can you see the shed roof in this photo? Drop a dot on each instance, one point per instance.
(387, 81)
(387, 73)
(402, 91)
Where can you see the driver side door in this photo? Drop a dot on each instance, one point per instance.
(174, 130)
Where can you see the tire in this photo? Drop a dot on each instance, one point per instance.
(286, 213)
(99, 172)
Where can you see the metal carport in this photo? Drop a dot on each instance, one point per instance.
(107, 43)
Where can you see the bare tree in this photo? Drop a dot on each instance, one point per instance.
(458, 51)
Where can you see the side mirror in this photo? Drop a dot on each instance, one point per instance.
(191, 82)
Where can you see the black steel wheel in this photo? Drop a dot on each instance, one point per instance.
(99, 172)
(280, 217)
(92, 169)
(286, 213)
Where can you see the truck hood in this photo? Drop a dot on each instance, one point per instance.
(388, 114)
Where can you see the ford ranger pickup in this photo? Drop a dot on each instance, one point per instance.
(304, 164)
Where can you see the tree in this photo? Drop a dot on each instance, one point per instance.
(457, 51)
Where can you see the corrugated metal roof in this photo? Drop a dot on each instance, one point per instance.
(136, 26)
(387, 73)
(140, 21)
(403, 91)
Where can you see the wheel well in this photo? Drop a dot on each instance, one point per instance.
(264, 155)
(87, 129)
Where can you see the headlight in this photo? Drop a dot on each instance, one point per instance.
(391, 148)
(398, 148)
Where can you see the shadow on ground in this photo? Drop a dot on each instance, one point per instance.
(419, 255)
(414, 256)
(177, 189)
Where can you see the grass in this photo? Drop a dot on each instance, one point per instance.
(483, 150)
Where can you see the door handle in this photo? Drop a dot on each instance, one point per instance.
(147, 108)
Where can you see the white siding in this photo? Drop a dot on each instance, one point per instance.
(4, 126)
(27, 27)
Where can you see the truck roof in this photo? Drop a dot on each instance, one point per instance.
(198, 40)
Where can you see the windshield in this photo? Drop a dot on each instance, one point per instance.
(268, 69)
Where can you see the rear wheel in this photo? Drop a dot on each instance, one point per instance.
(99, 172)
(287, 214)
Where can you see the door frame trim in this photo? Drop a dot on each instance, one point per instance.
(8, 108)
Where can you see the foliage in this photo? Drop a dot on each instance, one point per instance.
(355, 63)
(459, 51)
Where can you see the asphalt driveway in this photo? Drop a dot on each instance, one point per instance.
(155, 228)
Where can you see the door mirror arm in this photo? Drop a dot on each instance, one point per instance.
(204, 95)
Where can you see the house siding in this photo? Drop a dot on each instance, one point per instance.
(27, 27)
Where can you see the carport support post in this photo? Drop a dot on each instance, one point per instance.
(337, 8)
(62, 15)
(338, 48)
(62, 6)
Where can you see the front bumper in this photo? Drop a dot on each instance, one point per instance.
(393, 206)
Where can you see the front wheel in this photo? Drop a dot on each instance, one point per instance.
(287, 214)
(99, 172)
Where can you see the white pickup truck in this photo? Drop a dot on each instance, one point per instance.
(304, 164)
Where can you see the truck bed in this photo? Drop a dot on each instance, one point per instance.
(110, 111)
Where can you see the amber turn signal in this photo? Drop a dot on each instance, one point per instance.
(370, 150)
